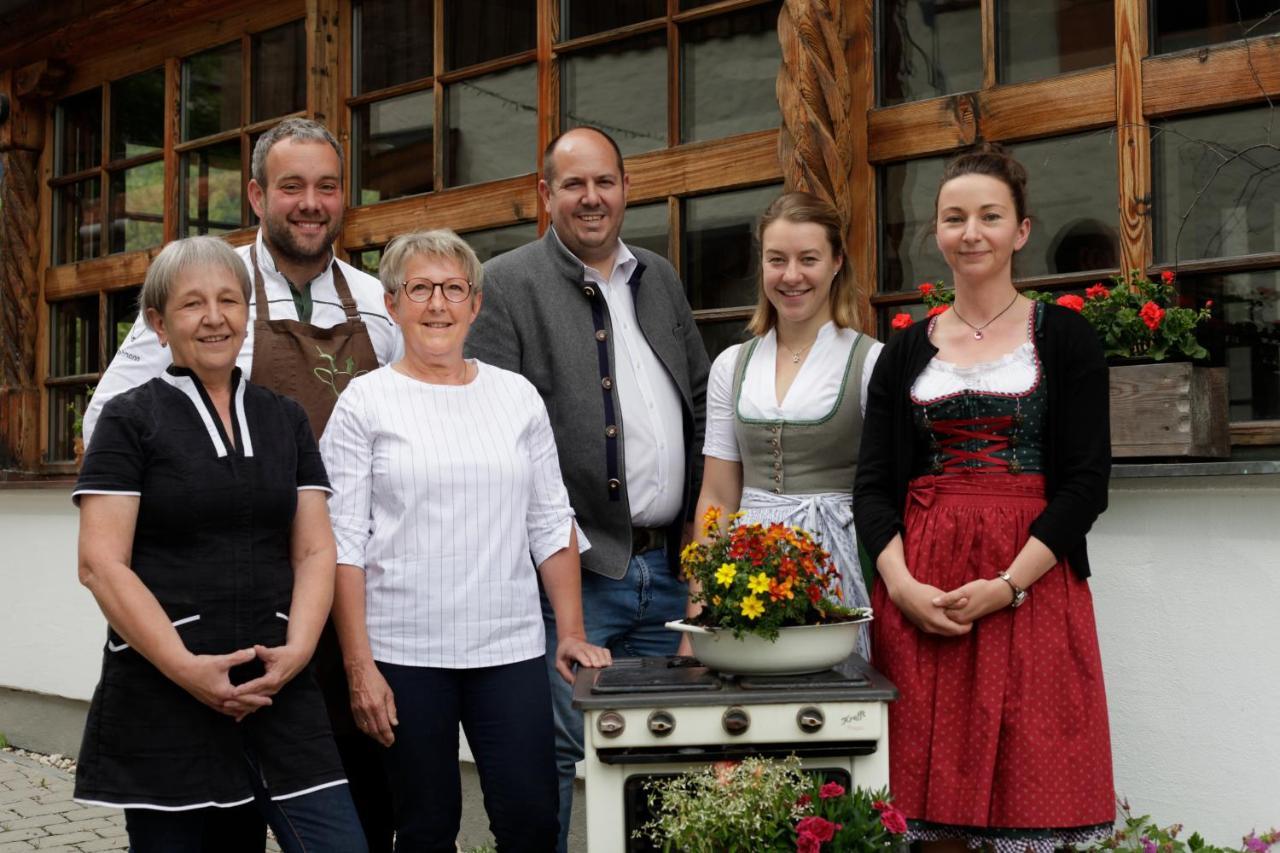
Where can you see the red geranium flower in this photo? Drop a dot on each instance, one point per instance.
(1209, 304)
(806, 843)
(831, 789)
(937, 309)
(901, 321)
(1098, 291)
(1070, 300)
(893, 820)
(1167, 276)
(926, 289)
(818, 827)
(1151, 314)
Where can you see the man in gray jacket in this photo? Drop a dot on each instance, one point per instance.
(604, 332)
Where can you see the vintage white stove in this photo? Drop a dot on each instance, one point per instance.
(652, 717)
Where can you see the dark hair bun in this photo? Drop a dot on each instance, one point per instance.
(994, 160)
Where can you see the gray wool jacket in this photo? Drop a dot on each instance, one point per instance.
(541, 318)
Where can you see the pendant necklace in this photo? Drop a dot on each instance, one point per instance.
(977, 330)
(796, 356)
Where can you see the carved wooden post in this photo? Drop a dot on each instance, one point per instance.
(822, 90)
(21, 140)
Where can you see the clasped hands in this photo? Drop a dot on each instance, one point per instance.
(207, 677)
(953, 613)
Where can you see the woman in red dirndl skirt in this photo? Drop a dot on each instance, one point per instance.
(979, 474)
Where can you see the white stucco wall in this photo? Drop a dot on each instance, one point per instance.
(1187, 580)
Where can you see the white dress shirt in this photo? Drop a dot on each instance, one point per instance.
(141, 358)
(652, 419)
(441, 494)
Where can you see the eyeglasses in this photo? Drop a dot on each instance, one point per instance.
(421, 289)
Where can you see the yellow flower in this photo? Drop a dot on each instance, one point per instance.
(758, 583)
(726, 573)
(736, 515)
(752, 607)
(715, 599)
(692, 552)
(711, 521)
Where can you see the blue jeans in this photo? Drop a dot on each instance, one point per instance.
(506, 713)
(322, 821)
(625, 616)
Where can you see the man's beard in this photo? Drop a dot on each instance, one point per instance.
(282, 240)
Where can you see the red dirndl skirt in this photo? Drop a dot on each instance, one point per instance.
(1006, 726)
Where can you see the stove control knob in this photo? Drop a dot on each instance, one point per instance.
(661, 723)
(611, 724)
(810, 719)
(736, 721)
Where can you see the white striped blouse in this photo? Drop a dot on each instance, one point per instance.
(447, 496)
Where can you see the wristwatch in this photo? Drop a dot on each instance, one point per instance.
(1019, 594)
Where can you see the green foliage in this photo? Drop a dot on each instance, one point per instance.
(1140, 834)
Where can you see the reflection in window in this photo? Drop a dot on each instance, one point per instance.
(79, 132)
(279, 59)
(137, 207)
(1074, 221)
(647, 226)
(584, 17)
(928, 49)
(137, 115)
(393, 147)
(591, 81)
(367, 261)
(211, 187)
(1041, 38)
(493, 126)
(1179, 25)
(1244, 336)
(73, 330)
(477, 32)
(719, 335)
(494, 241)
(122, 310)
(1215, 185)
(729, 68)
(77, 223)
(721, 263)
(393, 43)
(211, 91)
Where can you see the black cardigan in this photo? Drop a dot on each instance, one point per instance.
(1077, 441)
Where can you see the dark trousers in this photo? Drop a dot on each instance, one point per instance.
(506, 714)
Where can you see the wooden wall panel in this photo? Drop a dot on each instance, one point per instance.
(464, 209)
(1133, 138)
(705, 166)
(1217, 77)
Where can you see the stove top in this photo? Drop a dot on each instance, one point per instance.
(638, 682)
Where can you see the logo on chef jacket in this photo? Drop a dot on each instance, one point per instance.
(329, 374)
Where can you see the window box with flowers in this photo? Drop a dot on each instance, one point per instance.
(1163, 404)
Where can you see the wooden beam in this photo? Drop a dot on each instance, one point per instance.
(323, 96)
(1133, 137)
(987, 14)
(548, 87)
(920, 128)
(110, 273)
(488, 205)
(1067, 103)
(1217, 77)
(1254, 433)
(721, 164)
(860, 240)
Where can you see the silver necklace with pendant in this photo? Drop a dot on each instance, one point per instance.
(977, 330)
(796, 356)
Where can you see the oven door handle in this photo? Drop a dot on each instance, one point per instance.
(731, 752)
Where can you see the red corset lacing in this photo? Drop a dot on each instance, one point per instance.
(953, 433)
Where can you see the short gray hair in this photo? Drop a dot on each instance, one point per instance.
(438, 243)
(181, 255)
(301, 129)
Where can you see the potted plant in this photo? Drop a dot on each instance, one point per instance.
(770, 600)
(761, 805)
(1161, 403)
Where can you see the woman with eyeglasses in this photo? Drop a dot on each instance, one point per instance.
(446, 481)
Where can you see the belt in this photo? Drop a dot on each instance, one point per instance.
(647, 539)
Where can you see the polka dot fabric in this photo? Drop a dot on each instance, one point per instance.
(1006, 726)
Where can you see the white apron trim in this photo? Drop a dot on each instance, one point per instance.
(119, 647)
(310, 790)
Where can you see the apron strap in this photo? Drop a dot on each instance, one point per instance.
(349, 306)
(344, 293)
(259, 287)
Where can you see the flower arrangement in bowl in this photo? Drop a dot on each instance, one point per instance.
(761, 805)
(1135, 317)
(770, 600)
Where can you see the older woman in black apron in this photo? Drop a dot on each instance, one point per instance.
(205, 539)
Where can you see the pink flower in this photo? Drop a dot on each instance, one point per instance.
(901, 321)
(926, 289)
(831, 789)
(1097, 291)
(1167, 276)
(1254, 844)
(893, 820)
(1148, 846)
(938, 309)
(1209, 304)
(806, 843)
(1151, 314)
(820, 828)
(1070, 300)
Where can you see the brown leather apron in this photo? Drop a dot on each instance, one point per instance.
(313, 366)
(310, 364)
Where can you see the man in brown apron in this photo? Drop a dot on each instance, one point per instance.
(318, 323)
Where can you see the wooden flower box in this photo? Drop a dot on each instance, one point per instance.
(1169, 409)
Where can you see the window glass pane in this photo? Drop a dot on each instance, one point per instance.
(137, 115)
(685, 5)
(79, 123)
(1215, 186)
(73, 329)
(493, 126)
(476, 31)
(1244, 336)
(392, 43)
(591, 82)
(393, 155)
(211, 91)
(1178, 25)
(78, 227)
(647, 226)
(367, 261)
(584, 17)
(729, 71)
(928, 49)
(137, 207)
(122, 310)
(721, 264)
(278, 71)
(66, 406)
(719, 335)
(494, 241)
(1041, 38)
(211, 187)
(1074, 220)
